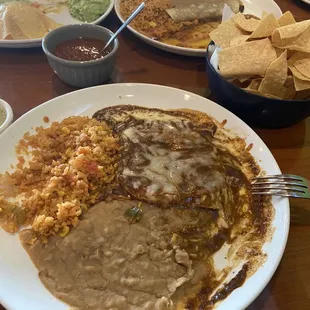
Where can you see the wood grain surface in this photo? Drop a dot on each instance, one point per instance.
(26, 80)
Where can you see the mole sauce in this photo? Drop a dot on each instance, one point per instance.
(82, 49)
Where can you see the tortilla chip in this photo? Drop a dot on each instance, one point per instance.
(292, 31)
(258, 93)
(289, 81)
(289, 88)
(294, 37)
(286, 19)
(224, 33)
(245, 24)
(302, 95)
(265, 14)
(275, 77)
(295, 57)
(302, 43)
(240, 39)
(265, 28)
(279, 51)
(291, 64)
(250, 58)
(253, 91)
(303, 66)
(243, 79)
(299, 75)
(254, 85)
(291, 53)
(301, 84)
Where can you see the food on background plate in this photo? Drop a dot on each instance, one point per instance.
(179, 23)
(129, 208)
(51, 6)
(23, 19)
(19, 21)
(87, 10)
(268, 57)
(183, 11)
(82, 49)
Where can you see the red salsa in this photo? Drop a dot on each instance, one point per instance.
(81, 49)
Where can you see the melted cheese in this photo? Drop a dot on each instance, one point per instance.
(168, 158)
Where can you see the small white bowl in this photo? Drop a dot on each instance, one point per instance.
(6, 108)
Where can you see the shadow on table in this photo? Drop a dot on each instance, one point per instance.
(293, 136)
(300, 212)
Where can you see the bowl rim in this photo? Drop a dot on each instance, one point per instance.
(49, 54)
(8, 115)
(212, 43)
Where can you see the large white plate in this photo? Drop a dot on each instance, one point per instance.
(255, 7)
(63, 17)
(20, 287)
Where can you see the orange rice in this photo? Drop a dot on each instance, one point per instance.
(153, 20)
(72, 166)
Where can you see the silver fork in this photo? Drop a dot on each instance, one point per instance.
(286, 185)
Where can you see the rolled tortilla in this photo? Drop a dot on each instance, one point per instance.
(19, 21)
(205, 9)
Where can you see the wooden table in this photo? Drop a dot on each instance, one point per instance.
(26, 80)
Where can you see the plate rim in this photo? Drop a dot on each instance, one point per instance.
(185, 51)
(277, 258)
(27, 43)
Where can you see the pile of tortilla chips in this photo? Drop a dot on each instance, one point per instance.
(268, 57)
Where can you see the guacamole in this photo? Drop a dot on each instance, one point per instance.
(87, 10)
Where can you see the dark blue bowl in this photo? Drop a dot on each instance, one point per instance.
(255, 110)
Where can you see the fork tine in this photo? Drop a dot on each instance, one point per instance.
(280, 181)
(285, 185)
(281, 176)
(279, 193)
(278, 186)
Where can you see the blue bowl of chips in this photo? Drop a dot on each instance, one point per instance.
(259, 68)
(256, 110)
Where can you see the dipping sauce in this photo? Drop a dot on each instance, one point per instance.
(81, 49)
(2, 117)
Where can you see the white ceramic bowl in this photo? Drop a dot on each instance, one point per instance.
(6, 108)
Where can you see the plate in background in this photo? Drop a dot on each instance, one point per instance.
(63, 17)
(255, 7)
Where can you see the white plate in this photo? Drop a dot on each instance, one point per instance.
(255, 7)
(20, 287)
(63, 17)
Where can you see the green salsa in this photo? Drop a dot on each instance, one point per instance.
(87, 10)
